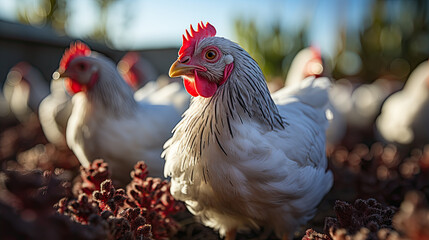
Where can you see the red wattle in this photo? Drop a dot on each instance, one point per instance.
(190, 86)
(204, 87)
(72, 86)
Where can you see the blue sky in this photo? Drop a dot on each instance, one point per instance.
(156, 24)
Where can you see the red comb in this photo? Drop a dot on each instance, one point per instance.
(75, 50)
(190, 40)
(316, 51)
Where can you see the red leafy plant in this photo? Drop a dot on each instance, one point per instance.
(26, 210)
(143, 211)
(364, 219)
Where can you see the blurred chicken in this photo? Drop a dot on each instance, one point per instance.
(404, 116)
(136, 70)
(55, 110)
(308, 62)
(24, 89)
(240, 158)
(106, 121)
(359, 106)
(54, 113)
(6, 116)
(365, 102)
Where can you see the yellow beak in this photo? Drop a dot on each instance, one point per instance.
(59, 74)
(180, 69)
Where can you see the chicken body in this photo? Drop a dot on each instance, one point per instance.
(55, 109)
(54, 113)
(107, 122)
(308, 62)
(241, 157)
(24, 89)
(405, 114)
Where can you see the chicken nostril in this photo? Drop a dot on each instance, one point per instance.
(185, 60)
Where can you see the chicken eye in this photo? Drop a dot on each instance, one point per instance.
(211, 54)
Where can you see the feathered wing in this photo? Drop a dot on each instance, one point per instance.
(74, 134)
(305, 107)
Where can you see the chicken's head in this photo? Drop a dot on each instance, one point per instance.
(314, 66)
(79, 70)
(204, 62)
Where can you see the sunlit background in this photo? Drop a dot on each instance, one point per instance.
(353, 35)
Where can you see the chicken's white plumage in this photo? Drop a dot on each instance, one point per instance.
(24, 89)
(239, 159)
(405, 114)
(107, 122)
(54, 113)
(271, 177)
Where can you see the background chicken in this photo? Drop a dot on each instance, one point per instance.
(54, 113)
(238, 158)
(308, 62)
(55, 109)
(24, 89)
(106, 121)
(136, 70)
(404, 116)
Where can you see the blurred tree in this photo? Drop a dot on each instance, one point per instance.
(393, 42)
(273, 47)
(100, 32)
(44, 12)
(54, 14)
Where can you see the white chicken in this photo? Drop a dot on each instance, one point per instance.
(238, 158)
(404, 116)
(136, 70)
(55, 109)
(54, 113)
(106, 122)
(24, 89)
(308, 62)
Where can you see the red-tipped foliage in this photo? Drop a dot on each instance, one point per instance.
(92, 177)
(142, 212)
(76, 49)
(108, 198)
(31, 216)
(152, 195)
(191, 39)
(365, 217)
